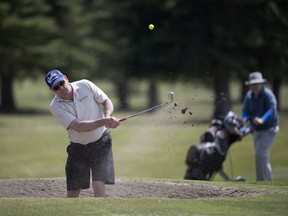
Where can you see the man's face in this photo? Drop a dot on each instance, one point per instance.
(256, 87)
(62, 88)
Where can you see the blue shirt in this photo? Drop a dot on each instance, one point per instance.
(264, 106)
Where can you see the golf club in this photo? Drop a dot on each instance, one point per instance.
(170, 97)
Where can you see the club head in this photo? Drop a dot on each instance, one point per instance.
(239, 178)
(170, 97)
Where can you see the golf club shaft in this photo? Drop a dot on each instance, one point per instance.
(144, 111)
(170, 97)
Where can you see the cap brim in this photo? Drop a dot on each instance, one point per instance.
(56, 81)
(255, 82)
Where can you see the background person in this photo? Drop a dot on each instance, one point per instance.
(260, 108)
(85, 111)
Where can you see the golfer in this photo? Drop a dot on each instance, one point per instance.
(260, 108)
(85, 112)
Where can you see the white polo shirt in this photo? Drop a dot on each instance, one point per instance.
(87, 98)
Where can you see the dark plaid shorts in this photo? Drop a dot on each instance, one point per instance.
(95, 158)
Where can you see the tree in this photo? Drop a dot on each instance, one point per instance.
(110, 38)
(77, 53)
(38, 36)
(25, 43)
(191, 38)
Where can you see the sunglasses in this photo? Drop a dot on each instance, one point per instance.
(56, 87)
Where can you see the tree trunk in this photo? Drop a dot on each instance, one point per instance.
(152, 94)
(7, 99)
(244, 90)
(222, 103)
(122, 92)
(276, 86)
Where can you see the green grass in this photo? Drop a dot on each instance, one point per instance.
(147, 146)
(273, 203)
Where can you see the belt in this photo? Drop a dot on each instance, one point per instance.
(88, 145)
(91, 143)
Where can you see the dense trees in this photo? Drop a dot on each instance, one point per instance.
(26, 34)
(110, 38)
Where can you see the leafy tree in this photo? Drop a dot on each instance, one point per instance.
(224, 38)
(26, 42)
(76, 54)
(37, 36)
(110, 46)
(192, 40)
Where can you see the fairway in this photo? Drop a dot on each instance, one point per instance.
(145, 197)
(147, 100)
(150, 147)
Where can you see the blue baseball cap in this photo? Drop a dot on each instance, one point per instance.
(53, 77)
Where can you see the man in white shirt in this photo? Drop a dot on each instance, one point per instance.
(85, 111)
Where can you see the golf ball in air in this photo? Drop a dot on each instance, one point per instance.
(151, 26)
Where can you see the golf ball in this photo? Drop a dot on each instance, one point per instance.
(151, 26)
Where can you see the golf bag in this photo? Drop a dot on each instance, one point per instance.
(205, 159)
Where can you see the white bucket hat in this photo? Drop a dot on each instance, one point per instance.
(255, 78)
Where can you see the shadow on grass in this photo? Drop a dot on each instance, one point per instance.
(24, 112)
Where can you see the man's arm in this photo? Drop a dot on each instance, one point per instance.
(108, 120)
(86, 126)
(108, 108)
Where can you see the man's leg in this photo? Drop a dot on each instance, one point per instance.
(73, 193)
(102, 165)
(263, 143)
(77, 170)
(99, 188)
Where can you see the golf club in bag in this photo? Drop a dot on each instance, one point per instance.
(205, 159)
(170, 99)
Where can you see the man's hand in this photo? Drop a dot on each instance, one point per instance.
(112, 122)
(258, 121)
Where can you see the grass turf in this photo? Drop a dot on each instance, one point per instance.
(271, 204)
(150, 146)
